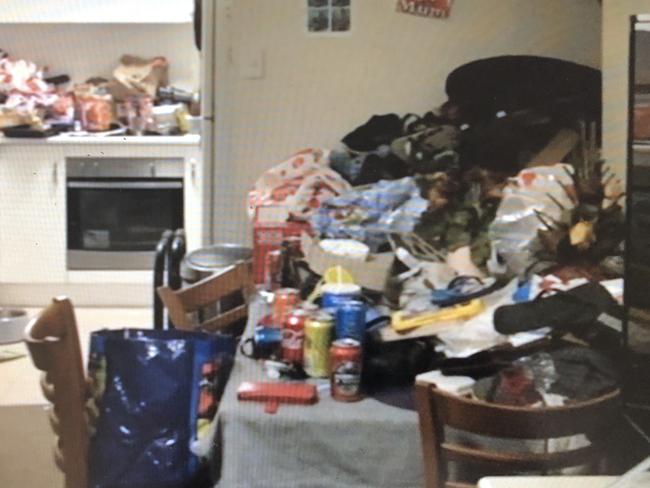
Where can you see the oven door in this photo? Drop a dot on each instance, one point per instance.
(114, 224)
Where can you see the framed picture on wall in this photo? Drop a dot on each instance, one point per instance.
(328, 16)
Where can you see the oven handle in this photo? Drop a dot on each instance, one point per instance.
(126, 185)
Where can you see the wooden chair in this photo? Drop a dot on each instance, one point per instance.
(437, 410)
(184, 305)
(53, 343)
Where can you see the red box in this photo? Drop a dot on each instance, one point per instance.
(269, 230)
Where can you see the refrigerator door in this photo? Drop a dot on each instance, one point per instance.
(207, 70)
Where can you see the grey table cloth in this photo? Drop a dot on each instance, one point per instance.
(365, 444)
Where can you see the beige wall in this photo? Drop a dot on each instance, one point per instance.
(616, 31)
(316, 89)
(85, 50)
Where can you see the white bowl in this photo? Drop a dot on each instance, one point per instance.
(347, 248)
(12, 324)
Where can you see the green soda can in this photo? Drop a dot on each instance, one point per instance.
(319, 333)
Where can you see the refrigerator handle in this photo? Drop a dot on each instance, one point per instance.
(196, 20)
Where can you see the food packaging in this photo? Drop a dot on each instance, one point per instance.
(96, 112)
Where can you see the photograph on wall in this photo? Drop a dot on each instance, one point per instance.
(328, 16)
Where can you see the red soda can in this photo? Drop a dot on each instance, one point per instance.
(285, 300)
(293, 336)
(345, 370)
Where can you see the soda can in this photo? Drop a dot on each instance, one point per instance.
(293, 337)
(345, 370)
(336, 294)
(351, 320)
(319, 332)
(285, 300)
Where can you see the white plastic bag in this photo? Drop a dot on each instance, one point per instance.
(513, 233)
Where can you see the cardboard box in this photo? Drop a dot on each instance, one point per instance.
(371, 273)
(270, 228)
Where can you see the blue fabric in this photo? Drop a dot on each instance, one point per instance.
(147, 390)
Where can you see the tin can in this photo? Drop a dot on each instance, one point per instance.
(285, 301)
(336, 294)
(319, 332)
(345, 370)
(293, 337)
(351, 320)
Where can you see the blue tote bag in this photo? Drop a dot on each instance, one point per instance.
(154, 390)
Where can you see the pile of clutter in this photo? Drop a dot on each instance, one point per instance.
(453, 254)
(138, 99)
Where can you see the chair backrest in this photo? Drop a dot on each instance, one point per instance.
(53, 343)
(183, 305)
(437, 410)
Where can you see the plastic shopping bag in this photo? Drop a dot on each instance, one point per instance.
(155, 391)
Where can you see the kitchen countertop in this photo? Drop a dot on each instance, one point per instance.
(184, 140)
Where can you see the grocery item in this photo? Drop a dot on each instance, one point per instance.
(284, 301)
(345, 370)
(336, 294)
(319, 331)
(351, 320)
(293, 336)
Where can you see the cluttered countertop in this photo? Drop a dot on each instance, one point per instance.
(137, 105)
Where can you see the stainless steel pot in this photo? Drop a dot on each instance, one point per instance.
(206, 261)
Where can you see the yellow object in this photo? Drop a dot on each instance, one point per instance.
(337, 274)
(582, 235)
(202, 428)
(332, 275)
(402, 321)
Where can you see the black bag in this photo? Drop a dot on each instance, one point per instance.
(377, 131)
(577, 311)
(484, 87)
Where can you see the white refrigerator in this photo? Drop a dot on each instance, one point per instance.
(214, 88)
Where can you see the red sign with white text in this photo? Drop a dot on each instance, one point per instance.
(436, 9)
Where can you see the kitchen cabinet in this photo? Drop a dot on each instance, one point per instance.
(33, 229)
(109, 12)
(32, 215)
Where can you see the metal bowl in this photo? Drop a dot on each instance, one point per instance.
(12, 324)
(203, 262)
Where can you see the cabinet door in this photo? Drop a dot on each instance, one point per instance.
(32, 214)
